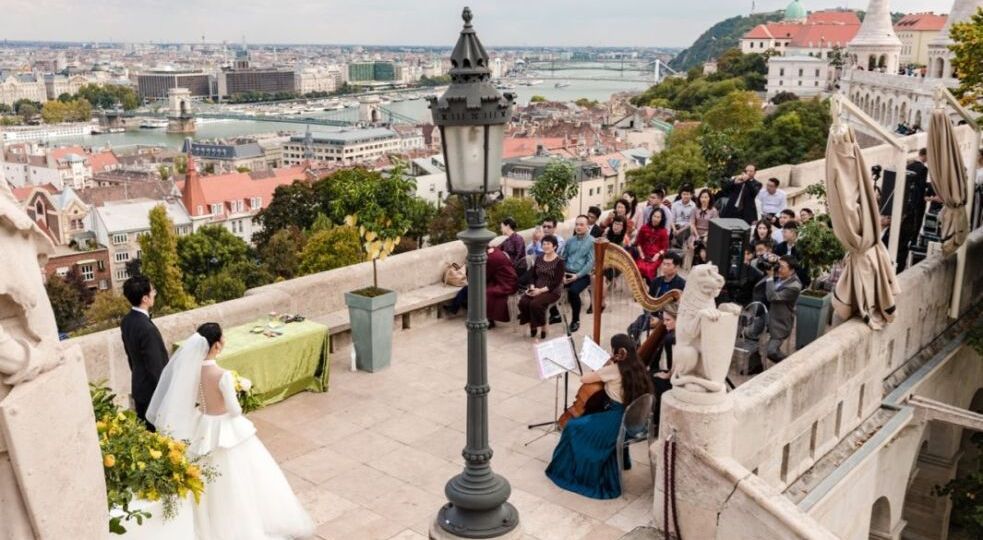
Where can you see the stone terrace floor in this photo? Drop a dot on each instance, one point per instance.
(370, 457)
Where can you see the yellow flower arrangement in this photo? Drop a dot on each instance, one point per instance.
(133, 464)
(248, 400)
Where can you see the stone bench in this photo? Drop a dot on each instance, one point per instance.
(418, 304)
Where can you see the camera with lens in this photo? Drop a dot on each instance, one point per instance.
(766, 262)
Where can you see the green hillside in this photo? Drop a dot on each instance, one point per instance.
(720, 37)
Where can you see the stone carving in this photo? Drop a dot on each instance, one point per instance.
(46, 420)
(705, 336)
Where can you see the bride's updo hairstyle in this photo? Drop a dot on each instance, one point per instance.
(212, 333)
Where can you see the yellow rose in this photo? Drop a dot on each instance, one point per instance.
(175, 457)
(194, 471)
(120, 416)
(152, 495)
(156, 454)
(141, 465)
(101, 426)
(109, 460)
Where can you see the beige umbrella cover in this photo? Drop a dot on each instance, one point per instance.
(945, 164)
(868, 285)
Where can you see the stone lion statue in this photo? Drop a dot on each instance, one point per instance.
(705, 336)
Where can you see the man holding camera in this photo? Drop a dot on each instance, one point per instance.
(782, 288)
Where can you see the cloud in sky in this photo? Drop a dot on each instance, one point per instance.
(391, 22)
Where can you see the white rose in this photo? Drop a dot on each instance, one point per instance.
(245, 383)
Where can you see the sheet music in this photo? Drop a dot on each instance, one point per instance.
(554, 357)
(593, 355)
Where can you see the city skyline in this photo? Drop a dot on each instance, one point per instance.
(505, 23)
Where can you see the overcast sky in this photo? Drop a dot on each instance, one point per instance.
(390, 22)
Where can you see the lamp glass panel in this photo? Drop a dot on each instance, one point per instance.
(465, 158)
(496, 142)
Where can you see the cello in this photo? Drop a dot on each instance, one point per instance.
(590, 398)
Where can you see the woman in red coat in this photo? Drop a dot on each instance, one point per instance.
(652, 243)
(502, 282)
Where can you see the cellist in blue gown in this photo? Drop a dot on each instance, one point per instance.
(585, 459)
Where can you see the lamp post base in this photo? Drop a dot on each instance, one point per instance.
(508, 528)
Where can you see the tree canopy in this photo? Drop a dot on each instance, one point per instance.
(76, 110)
(554, 188)
(968, 49)
(159, 262)
(108, 96)
(209, 251)
(331, 248)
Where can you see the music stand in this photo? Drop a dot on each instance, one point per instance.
(554, 425)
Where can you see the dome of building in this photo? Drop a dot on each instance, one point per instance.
(795, 12)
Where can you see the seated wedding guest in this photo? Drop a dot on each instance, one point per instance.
(593, 215)
(784, 217)
(548, 227)
(682, 215)
(584, 460)
(669, 280)
(782, 289)
(657, 199)
(805, 215)
(621, 209)
(514, 246)
(771, 199)
(617, 231)
(652, 243)
(500, 283)
(761, 231)
(531, 248)
(545, 284)
(790, 233)
(661, 366)
(700, 255)
(578, 262)
(701, 216)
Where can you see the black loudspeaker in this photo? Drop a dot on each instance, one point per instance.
(725, 247)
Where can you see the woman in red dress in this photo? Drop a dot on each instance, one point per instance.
(652, 243)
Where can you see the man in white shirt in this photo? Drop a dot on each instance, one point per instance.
(657, 200)
(771, 199)
(682, 210)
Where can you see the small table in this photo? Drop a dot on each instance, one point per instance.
(280, 366)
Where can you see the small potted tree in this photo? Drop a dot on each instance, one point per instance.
(819, 250)
(379, 206)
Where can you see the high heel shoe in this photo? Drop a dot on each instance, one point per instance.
(542, 334)
(532, 331)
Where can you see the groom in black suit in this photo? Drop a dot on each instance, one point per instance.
(145, 350)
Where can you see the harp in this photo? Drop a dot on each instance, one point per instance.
(612, 256)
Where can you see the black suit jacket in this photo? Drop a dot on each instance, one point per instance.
(147, 356)
(740, 200)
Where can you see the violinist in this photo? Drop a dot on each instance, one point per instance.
(584, 460)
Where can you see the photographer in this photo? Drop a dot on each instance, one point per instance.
(782, 290)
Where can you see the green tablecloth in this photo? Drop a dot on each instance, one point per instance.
(281, 366)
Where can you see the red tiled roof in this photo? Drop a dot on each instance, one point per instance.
(526, 146)
(758, 32)
(22, 193)
(833, 17)
(222, 188)
(62, 152)
(103, 161)
(825, 35)
(921, 22)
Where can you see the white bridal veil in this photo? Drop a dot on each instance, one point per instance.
(173, 408)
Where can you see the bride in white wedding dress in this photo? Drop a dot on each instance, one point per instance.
(195, 400)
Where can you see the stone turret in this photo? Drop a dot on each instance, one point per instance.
(876, 47)
(939, 55)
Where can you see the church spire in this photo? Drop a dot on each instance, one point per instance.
(193, 194)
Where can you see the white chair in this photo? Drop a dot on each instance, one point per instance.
(636, 427)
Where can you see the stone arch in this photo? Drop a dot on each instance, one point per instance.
(938, 70)
(918, 119)
(891, 113)
(872, 62)
(880, 519)
(904, 111)
(882, 61)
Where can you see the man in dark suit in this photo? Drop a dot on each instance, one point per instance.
(790, 233)
(741, 193)
(669, 280)
(145, 350)
(782, 293)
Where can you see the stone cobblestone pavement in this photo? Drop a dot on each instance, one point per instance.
(370, 457)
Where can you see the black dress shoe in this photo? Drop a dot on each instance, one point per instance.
(555, 319)
(574, 326)
(590, 310)
(491, 324)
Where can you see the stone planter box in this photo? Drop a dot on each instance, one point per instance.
(157, 528)
(372, 329)
(811, 318)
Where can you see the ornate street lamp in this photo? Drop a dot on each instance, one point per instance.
(472, 116)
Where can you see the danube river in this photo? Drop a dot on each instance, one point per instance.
(599, 90)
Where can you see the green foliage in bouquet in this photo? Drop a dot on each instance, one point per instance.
(248, 399)
(139, 464)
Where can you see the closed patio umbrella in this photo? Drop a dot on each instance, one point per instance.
(948, 173)
(867, 286)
